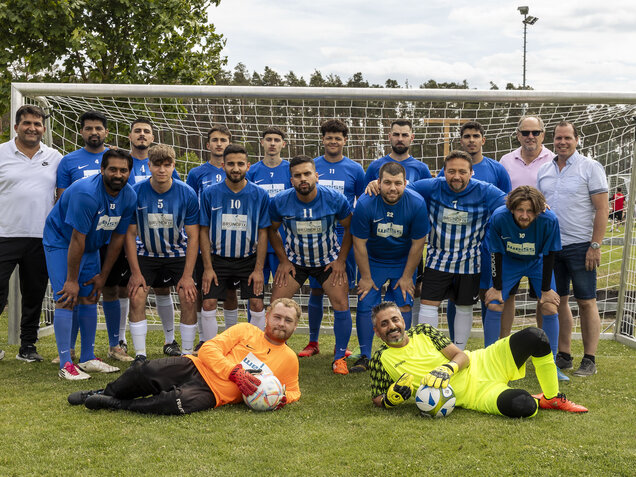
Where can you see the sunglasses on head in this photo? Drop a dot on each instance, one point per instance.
(527, 133)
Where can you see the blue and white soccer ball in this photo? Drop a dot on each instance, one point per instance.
(435, 402)
(267, 396)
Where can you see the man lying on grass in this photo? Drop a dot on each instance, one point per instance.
(218, 376)
(479, 378)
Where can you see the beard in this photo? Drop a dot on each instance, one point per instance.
(306, 191)
(236, 179)
(114, 184)
(399, 149)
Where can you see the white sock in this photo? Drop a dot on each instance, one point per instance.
(231, 317)
(428, 314)
(138, 331)
(188, 332)
(258, 318)
(124, 306)
(165, 310)
(415, 309)
(209, 325)
(463, 325)
(200, 325)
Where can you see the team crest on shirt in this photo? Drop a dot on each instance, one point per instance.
(236, 222)
(107, 222)
(455, 217)
(160, 221)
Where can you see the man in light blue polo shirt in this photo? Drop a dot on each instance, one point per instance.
(575, 186)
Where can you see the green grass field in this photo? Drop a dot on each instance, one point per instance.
(332, 430)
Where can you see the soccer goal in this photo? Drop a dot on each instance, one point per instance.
(182, 116)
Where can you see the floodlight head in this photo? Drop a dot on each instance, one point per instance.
(530, 20)
(523, 10)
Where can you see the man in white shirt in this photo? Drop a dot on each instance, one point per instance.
(28, 170)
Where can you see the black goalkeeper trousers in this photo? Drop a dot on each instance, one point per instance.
(162, 386)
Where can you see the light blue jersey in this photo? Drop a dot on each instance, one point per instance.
(234, 218)
(204, 176)
(78, 165)
(161, 219)
(310, 228)
(415, 170)
(86, 207)
(458, 222)
(389, 229)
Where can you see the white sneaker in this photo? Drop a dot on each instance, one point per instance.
(1, 354)
(97, 366)
(72, 372)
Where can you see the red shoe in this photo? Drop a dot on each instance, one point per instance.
(310, 350)
(340, 366)
(559, 402)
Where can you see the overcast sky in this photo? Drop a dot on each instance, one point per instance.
(583, 45)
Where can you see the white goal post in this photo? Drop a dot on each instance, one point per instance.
(182, 116)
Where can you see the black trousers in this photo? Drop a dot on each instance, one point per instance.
(163, 386)
(29, 254)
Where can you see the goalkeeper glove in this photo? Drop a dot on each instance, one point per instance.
(398, 392)
(282, 402)
(439, 377)
(246, 383)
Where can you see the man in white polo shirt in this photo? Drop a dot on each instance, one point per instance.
(27, 192)
(575, 186)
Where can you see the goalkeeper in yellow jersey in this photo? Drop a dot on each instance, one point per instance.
(423, 355)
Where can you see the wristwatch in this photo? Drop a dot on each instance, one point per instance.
(595, 245)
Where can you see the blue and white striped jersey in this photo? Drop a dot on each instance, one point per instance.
(234, 218)
(204, 176)
(458, 222)
(161, 219)
(310, 228)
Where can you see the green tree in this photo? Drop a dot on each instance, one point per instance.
(108, 41)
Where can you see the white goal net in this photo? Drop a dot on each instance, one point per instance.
(182, 116)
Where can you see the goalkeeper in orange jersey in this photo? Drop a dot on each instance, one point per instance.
(479, 378)
(219, 375)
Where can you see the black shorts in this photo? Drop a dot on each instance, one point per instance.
(161, 272)
(319, 273)
(463, 289)
(232, 273)
(617, 215)
(515, 289)
(120, 273)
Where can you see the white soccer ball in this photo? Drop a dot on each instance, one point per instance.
(267, 396)
(435, 402)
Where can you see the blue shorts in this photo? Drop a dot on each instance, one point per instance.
(485, 279)
(351, 272)
(57, 265)
(569, 265)
(270, 267)
(514, 270)
(380, 274)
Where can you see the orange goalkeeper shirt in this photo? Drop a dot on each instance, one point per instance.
(244, 343)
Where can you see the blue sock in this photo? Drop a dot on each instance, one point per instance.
(342, 325)
(112, 313)
(249, 315)
(74, 328)
(450, 317)
(364, 327)
(408, 318)
(87, 315)
(492, 326)
(484, 310)
(62, 325)
(314, 313)
(551, 328)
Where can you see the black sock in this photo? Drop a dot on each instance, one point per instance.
(565, 355)
(590, 357)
